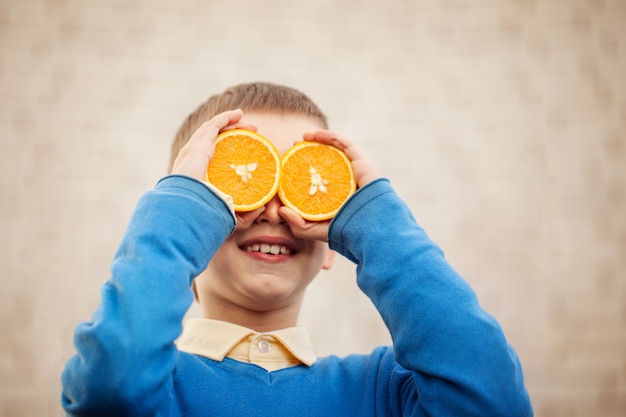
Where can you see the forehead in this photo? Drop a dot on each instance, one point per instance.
(283, 130)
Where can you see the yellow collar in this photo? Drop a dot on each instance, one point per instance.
(275, 350)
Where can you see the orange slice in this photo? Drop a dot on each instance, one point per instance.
(317, 180)
(245, 166)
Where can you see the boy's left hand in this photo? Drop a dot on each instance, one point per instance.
(364, 172)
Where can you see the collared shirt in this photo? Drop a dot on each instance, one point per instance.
(275, 350)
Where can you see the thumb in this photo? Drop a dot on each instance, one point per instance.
(304, 229)
(245, 219)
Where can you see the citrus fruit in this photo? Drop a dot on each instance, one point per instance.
(245, 166)
(317, 180)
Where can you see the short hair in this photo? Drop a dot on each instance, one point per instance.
(256, 96)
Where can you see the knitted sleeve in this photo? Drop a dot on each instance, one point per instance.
(459, 359)
(126, 354)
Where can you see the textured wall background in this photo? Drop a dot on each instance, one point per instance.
(501, 122)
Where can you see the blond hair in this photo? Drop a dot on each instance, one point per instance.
(256, 96)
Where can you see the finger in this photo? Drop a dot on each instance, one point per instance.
(341, 142)
(219, 122)
(364, 170)
(245, 219)
(240, 125)
(302, 228)
(226, 118)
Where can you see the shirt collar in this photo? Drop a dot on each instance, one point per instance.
(214, 339)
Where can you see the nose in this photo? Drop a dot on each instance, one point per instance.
(271, 215)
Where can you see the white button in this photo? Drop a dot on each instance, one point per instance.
(264, 346)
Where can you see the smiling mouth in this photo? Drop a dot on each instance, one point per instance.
(268, 249)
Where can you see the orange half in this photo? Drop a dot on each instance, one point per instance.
(245, 166)
(317, 179)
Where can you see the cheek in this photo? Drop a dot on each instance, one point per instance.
(219, 267)
(199, 284)
(212, 280)
(319, 252)
(220, 261)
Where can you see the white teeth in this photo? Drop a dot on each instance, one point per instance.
(269, 249)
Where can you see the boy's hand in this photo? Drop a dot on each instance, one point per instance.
(193, 159)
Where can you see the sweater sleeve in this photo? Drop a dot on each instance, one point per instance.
(126, 354)
(457, 355)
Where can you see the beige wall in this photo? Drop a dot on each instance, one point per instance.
(501, 122)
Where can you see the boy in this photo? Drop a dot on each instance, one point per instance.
(249, 271)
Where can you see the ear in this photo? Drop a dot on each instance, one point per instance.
(195, 291)
(330, 259)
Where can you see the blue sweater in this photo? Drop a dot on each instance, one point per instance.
(449, 357)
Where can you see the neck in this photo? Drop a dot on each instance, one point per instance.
(258, 319)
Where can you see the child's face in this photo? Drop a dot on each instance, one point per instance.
(242, 277)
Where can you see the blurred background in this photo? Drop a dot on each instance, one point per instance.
(502, 123)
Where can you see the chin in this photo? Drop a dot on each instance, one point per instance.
(270, 298)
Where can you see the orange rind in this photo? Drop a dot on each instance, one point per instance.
(247, 167)
(316, 180)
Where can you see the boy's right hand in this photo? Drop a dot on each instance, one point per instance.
(193, 159)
